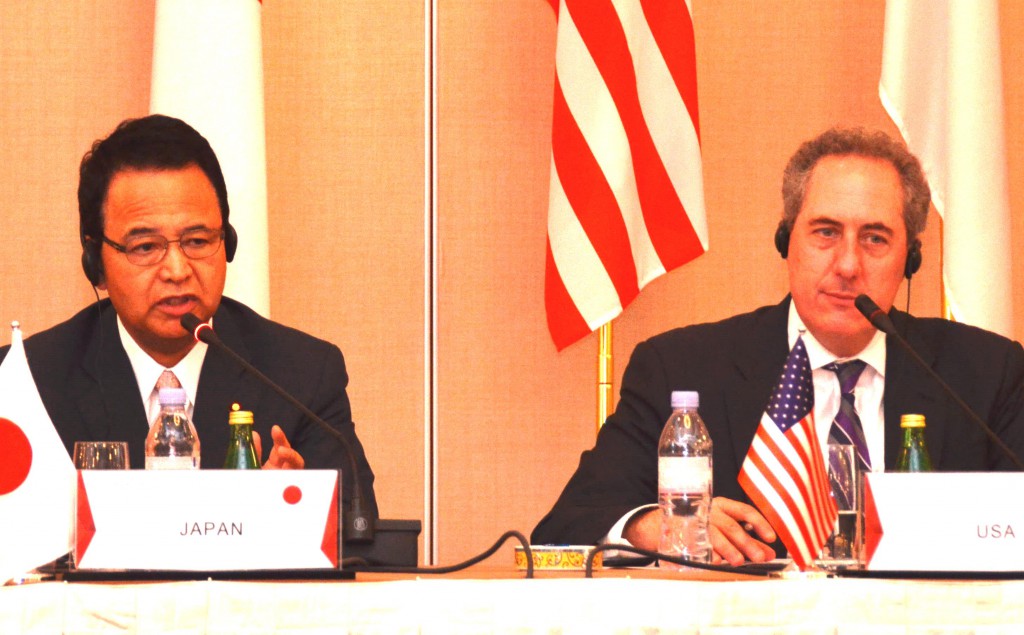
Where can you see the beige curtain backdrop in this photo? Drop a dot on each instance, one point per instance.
(408, 176)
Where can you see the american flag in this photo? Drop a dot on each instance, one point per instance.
(627, 197)
(784, 473)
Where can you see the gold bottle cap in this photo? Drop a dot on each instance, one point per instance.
(238, 416)
(912, 421)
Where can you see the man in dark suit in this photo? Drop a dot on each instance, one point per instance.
(153, 214)
(854, 203)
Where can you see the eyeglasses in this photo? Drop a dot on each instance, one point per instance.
(149, 249)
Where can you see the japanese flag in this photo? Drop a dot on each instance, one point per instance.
(37, 478)
(208, 71)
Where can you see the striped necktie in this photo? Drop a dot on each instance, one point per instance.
(846, 428)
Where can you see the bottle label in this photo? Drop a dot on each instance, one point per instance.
(684, 474)
(172, 463)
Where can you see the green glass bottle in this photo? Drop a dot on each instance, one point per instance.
(913, 456)
(241, 452)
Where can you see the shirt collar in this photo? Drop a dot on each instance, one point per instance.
(873, 354)
(147, 370)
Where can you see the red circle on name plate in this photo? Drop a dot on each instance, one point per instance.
(15, 456)
(292, 494)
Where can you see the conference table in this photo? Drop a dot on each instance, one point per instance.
(498, 599)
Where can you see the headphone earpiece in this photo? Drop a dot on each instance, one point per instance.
(782, 239)
(913, 259)
(230, 241)
(92, 262)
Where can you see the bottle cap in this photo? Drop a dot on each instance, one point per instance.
(685, 399)
(171, 396)
(912, 421)
(238, 416)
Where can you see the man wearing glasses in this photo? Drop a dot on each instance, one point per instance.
(153, 213)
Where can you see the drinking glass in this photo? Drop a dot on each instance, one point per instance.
(101, 455)
(843, 547)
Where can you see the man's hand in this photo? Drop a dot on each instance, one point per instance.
(734, 526)
(644, 530)
(730, 540)
(282, 456)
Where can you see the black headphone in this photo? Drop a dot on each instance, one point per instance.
(92, 262)
(909, 268)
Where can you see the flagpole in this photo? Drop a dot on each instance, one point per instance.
(604, 373)
(946, 312)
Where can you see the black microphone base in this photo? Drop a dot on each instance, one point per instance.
(395, 544)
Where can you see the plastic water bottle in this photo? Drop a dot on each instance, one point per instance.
(684, 481)
(172, 442)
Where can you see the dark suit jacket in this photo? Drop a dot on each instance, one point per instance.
(734, 364)
(89, 389)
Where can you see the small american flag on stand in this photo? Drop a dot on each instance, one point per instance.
(784, 473)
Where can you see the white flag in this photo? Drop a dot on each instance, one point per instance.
(37, 478)
(942, 85)
(208, 71)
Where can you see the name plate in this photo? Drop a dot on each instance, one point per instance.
(207, 520)
(944, 521)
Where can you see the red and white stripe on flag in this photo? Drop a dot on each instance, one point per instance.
(627, 196)
(784, 472)
(208, 71)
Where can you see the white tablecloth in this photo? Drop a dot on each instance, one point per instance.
(452, 606)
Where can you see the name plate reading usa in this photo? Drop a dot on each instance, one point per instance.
(207, 520)
(944, 521)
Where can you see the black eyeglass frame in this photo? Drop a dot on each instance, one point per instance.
(166, 245)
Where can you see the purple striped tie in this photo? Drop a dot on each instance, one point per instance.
(846, 428)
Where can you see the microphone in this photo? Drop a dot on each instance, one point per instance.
(881, 321)
(878, 318)
(358, 524)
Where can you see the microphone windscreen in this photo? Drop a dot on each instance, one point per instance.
(874, 314)
(201, 331)
(189, 322)
(864, 304)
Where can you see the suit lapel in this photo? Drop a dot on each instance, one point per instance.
(222, 382)
(106, 392)
(909, 390)
(760, 355)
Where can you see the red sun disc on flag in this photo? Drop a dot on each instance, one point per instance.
(15, 456)
(292, 494)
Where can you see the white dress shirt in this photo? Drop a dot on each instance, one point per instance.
(147, 371)
(868, 394)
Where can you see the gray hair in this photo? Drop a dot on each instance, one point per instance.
(858, 142)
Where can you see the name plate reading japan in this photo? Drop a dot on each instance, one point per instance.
(207, 520)
(944, 521)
